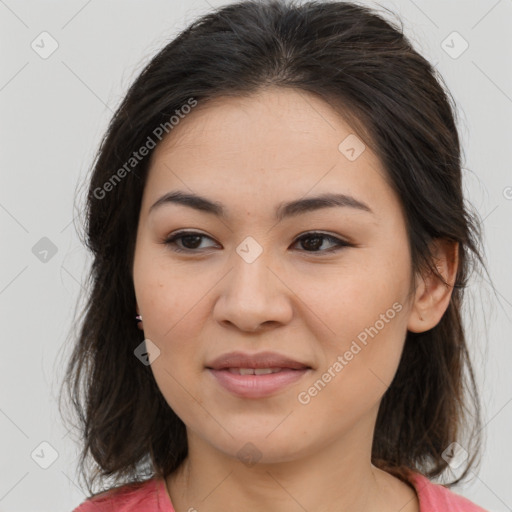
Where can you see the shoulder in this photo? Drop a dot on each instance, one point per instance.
(437, 498)
(147, 496)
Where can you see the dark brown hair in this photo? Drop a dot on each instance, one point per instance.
(398, 104)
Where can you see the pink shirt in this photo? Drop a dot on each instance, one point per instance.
(152, 496)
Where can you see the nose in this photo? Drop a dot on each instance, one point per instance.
(254, 296)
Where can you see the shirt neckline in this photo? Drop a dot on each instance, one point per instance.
(163, 494)
(416, 480)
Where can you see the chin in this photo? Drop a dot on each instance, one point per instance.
(258, 447)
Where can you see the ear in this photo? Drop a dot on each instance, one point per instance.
(432, 295)
(139, 321)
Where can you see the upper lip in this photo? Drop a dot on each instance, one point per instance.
(258, 360)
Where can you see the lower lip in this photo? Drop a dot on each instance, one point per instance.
(257, 386)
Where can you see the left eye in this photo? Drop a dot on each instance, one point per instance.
(191, 240)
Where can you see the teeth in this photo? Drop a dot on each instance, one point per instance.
(254, 371)
(264, 371)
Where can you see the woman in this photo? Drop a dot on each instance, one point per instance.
(277, 206)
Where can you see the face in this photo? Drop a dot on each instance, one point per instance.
(326, 287)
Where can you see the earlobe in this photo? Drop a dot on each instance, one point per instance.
(432, 294)
(138, 318)
(416, 317)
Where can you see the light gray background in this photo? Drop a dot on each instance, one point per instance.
(53, 113)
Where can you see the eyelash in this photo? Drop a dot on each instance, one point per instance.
(340, 244)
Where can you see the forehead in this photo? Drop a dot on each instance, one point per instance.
(270, 145)
(273, 119)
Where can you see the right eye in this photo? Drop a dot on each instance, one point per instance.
(189, 238)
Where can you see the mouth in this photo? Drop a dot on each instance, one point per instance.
(256, 383)
(257, 375)
(241, 361)
(254, 371)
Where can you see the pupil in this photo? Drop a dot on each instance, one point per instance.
(187, 237)
(314, 245)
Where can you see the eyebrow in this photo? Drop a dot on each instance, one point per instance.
(286, 209)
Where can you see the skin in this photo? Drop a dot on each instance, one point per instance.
(251, 154)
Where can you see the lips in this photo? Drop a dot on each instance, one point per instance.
(256, 376)
(246, 364)
(253, 371)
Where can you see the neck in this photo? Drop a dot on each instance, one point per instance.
(272, 488)
(337, 478)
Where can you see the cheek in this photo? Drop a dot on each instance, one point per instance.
(363, 317)
(165, 295)
(359, 367)
(170, 308)
(176, 381)
(347, 301)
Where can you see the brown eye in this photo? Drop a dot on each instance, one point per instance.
(189, 241)
(312, 242)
